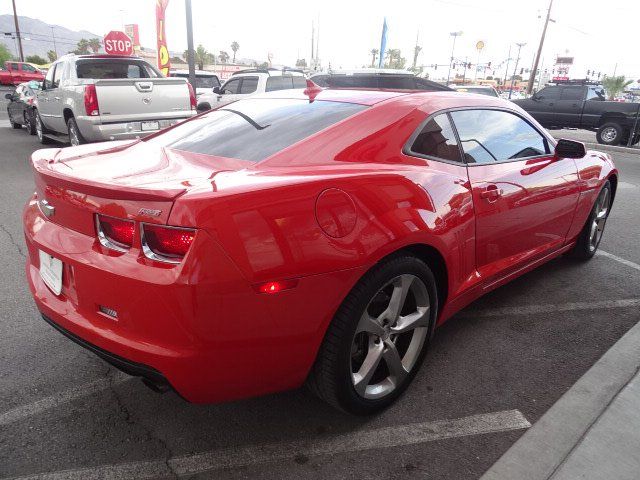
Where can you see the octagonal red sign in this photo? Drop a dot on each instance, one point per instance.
(118, 43)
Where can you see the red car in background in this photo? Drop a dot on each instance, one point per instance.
(315, 236)
(15, 73)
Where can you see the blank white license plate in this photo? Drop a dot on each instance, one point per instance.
(149, 126)
(51, 272)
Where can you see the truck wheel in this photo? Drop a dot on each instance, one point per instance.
(609, 134)
(75, 137)
(40, 129)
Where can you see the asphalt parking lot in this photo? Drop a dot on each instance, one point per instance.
(492, 370)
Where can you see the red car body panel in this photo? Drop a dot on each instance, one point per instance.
(319, 213)
(16, 76)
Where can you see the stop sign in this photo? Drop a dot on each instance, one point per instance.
(118, 43)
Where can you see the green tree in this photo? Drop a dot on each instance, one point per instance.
(37, 59)
(395, 59)
(82, 48)
(94, 44)
(614, 86)
(202, 57)
(224, 56)
(235, 46)
(52, 56)
(301, 62)
(374, 54)
(5, 54)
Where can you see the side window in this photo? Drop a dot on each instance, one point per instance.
(279, 83)
(595, 94)
(57, 75)
(232, 86)
(436, 139)
(249, 85)
(489, 136)
(28, 68)
(299, 82)
(15, 66)
(48, 80)
(572, 93)
(549, 93)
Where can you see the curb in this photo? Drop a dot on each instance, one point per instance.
(538, 454)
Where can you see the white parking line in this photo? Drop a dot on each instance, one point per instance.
(251, 455)
(618, 259)
(57, 399)
(559, 307)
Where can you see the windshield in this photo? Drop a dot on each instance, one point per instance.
(254, 129)
(112, 68)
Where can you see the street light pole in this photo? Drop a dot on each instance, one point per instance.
(191, 56)
(532, 77)
(520, 45)
(15, 20)
(53, 34)
(455, 35)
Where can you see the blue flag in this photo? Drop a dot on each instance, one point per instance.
(383, 43)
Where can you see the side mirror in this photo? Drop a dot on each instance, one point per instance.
(570, 149)
(8, 96)
(216, 90)
(536, 97)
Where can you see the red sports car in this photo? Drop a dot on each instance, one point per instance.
(314, 236)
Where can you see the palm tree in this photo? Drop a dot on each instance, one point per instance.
(235, 46)
(52, 55)
(374, 54)
(224, 56)
(201, 57)
(94, 44)
(416, 52)
(82, 48)
(615, 85)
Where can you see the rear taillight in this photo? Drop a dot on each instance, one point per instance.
(166, 244)
(115, 233)
(91, 101)
(192, 96)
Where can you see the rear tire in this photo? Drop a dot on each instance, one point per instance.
(384, 348)
(610, 133)
(13, 124)
(593, 230)
(75, 137)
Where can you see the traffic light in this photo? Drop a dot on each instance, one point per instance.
(489, 65)
(454, 65)
(588, 73)
(521, 71)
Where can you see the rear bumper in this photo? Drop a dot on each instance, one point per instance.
(199, 324)
(95, 131)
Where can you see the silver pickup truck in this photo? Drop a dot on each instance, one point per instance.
(93, 98)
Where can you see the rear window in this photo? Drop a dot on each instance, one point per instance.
(254, 129)
(479, 90)
(111, 68)
(388, 81)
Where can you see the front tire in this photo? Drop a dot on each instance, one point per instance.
(592, 232)
(377, 340)
(29, 123)
(75, 137)
(609, 134)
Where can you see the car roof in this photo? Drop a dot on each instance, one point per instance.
(367, 71)
(428, 101)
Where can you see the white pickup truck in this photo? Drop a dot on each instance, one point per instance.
(93, 98)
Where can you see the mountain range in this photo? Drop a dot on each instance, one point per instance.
(38, 36)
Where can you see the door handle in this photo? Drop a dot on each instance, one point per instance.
(491, 193)
(57, 99)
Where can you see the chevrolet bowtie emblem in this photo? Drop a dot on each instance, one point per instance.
(46, 208)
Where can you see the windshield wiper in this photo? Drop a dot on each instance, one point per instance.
(256, 125)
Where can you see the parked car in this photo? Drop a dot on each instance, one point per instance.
(585, 107)
(253, 81)
(478, 89)
(383, 78)
(205, 81)
(303, 236)
(93, 98)
(20, 107)
(15, 73)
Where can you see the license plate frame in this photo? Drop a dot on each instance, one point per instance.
(51, 271)
(147, 126)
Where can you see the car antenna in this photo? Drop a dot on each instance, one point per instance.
(312, 90)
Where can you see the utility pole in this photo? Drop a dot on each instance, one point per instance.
(191, 57)
(53, 34)
(537, 60)
(15, 19)
(506, 70)
(520, 45)
(455, 35)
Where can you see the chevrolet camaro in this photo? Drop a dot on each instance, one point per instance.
(312, 237)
